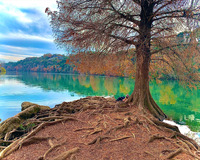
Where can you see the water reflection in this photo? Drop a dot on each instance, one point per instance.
(178, 102)
(80, 84)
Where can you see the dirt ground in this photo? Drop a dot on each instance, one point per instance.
(97, 128)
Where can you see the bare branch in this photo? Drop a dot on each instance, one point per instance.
(127, 17)
(123, 39)
(128, 27)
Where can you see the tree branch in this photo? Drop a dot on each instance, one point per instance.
(123, 39)
(165, 61)
(192, 16)
(169, 47)
(129, 27)
(127, 17)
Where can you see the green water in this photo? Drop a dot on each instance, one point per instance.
(178, 102)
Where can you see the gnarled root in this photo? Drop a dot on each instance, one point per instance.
(16, 144)
(121, 138)
(98, 139)
(169, 126)
(154, 137)
(34, 140)
(11, 148)
(66, 154)
(172, 155)
(189, 140)
(50, 149)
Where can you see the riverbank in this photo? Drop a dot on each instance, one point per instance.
(99, 128)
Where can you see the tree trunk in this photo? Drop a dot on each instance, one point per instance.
(141, 95)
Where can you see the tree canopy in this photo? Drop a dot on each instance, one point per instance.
(115, 24)
(148, 26)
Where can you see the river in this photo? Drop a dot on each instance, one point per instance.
(180, 104)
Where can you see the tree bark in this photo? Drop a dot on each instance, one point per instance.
(141, 95)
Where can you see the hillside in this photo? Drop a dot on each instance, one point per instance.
(46, 63)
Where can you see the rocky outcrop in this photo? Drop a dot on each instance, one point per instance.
(28, 110)
(31, 111)
(26, 105)
(8, 125)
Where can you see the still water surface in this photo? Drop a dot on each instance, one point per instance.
(180, 103)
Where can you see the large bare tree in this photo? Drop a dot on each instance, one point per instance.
(116, 25)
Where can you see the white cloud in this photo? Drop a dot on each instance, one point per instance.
(22, 55)
(21, 35)
(12, 7)
(15, 12)
(32, 27)
(39, 4)
(13, 48)
(22, 51)
(10, 57)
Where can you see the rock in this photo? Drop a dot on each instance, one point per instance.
(26, 105)
(8, 125)
(31, 111)
(42, 108)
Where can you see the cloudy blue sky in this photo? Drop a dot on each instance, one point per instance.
(25, 29)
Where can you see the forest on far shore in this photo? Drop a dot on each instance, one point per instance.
(47, 63)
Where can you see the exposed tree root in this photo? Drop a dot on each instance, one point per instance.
(98, 139)
(126, 123)
(150, 121)
(167, 151)
(154, 137)
(176, 133)
(11, 148)
(143, 123)
(149, 153)
(96, 131)
(50, 143)
(191, 141)
(48, 124)
(6, 141)
(115, 129)
(16, 144)
(51, 118)
(120, 109)
(172, 155)
(81, 129)
(145, 126)
(50, 149)
(186, 149)
(42, 115)
(169, 126)
(2, 147)
(110, 118)
(7, 136)
(191, 145)
(133, 135)
(32, 140)
(121, 138)
(66, 154)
